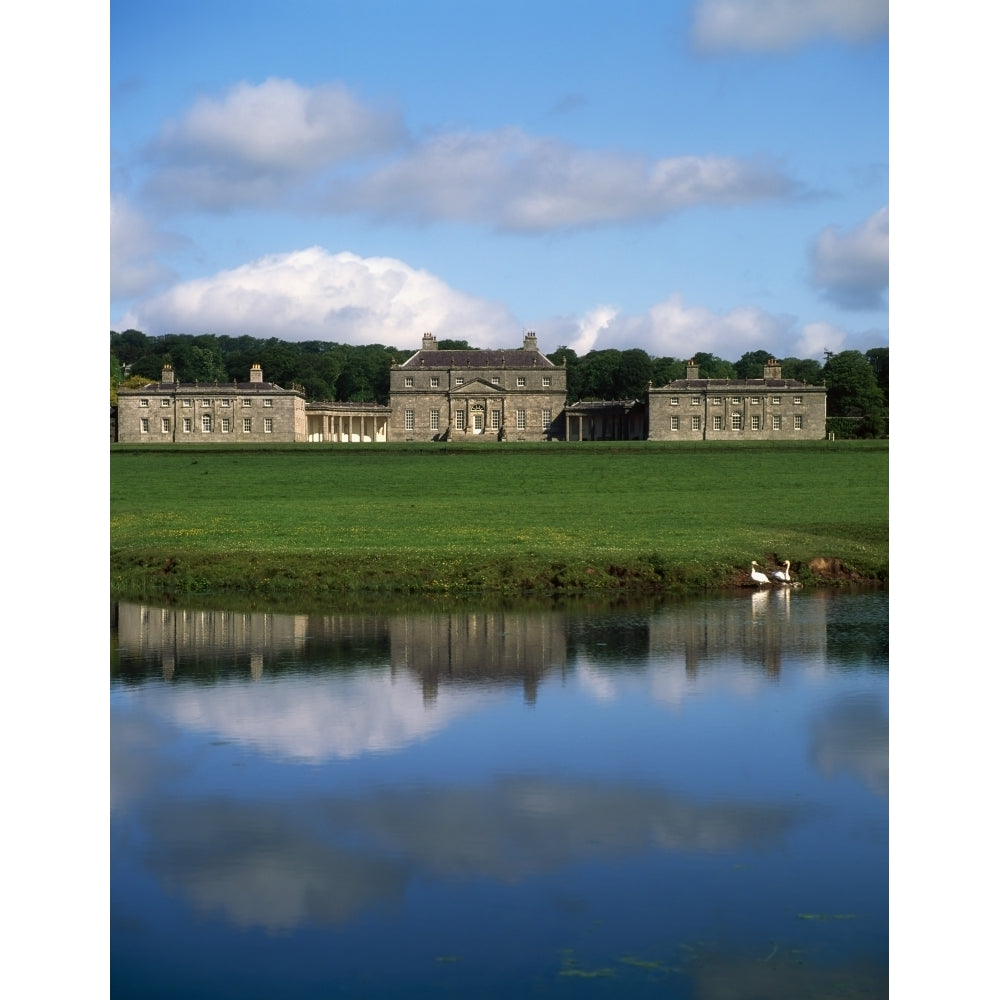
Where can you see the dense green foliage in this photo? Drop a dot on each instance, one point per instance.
(858, 383)
(307, 521)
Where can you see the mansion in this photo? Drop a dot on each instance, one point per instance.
(507, 394)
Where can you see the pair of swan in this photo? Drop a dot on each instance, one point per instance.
(778, 576)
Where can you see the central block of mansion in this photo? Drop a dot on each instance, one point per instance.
(506, 394)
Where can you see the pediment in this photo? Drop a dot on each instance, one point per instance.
(477, 387)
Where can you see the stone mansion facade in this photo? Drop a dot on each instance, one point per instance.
(507, 394)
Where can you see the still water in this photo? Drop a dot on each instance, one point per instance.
(677, 800)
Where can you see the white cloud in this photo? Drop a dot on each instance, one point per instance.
(246, 147)
(851, 268)
(673, 329)
(514, 181)
(315, 295)
(773, 25)
(321, 150)
(135, 242)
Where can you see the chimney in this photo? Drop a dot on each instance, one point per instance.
(256, 373)
(430, 342)
(530, 341)
(692, 370)
(772, 369)
(167, 374)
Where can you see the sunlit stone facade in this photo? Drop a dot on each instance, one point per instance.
(514, 395)
(771, 408)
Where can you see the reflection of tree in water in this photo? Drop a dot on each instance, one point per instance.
(858, 630)
(615, 639)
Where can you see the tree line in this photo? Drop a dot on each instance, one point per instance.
(857, 383)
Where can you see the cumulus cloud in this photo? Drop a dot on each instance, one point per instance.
(135, 244)
(851, 269)
(322, 150)
(315, 295)
(672, 328)
(517, 182)
(246, 147)
(774, 25)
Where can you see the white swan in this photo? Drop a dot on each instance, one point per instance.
(755, 575)
(782, 575)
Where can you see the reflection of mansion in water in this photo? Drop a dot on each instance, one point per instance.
(471, 648)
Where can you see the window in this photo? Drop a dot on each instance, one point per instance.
(546, 380)
(755, 400)
(776, 400)
(775, 422)
(269, 402)
(435, 381)
(737, 419)
(755, 422)
(459, 381)
(696, 423)
(408, 419)
(248, 402)
(477, 420)
(717, 423)
(164, 402)
(206, 402)
(675, 423)
(798, 421)
(674, 401)
(546, 418)
(246, 425)
(165, 425)
(522, 419)
(268, 425)
(206, 423)
(186, 425)
(495, 380)
(460, 420)
(408, 381)
(144, 402)
(223, 402)
(796, 399)
(736, 399)
(435, 420)
(225, 425)
(144, 425)
(185, 402)
(520, 381)
(717, 400)
(495, 419)
(695, 401)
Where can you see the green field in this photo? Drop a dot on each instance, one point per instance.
(315, 521)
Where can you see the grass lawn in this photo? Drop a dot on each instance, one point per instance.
(489, 517)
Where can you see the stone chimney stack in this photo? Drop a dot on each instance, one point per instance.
(167, 375)
(772, 369)
(692, 370)
(256, 373)
(430, 342)
(530, 341)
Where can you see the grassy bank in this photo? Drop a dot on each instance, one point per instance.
(311, 520)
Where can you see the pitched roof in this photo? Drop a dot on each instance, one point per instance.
(516, 357)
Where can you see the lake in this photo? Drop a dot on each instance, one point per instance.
(680, 799)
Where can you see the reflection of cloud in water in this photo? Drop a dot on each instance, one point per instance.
(852, 735)
(321, 861)
(306, 719)
(668, 680)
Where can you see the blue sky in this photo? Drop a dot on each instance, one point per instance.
(698, 175)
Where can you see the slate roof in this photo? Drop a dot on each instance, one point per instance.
(476, 358)
(738, 383)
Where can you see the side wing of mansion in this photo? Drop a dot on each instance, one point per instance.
(506, 394)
